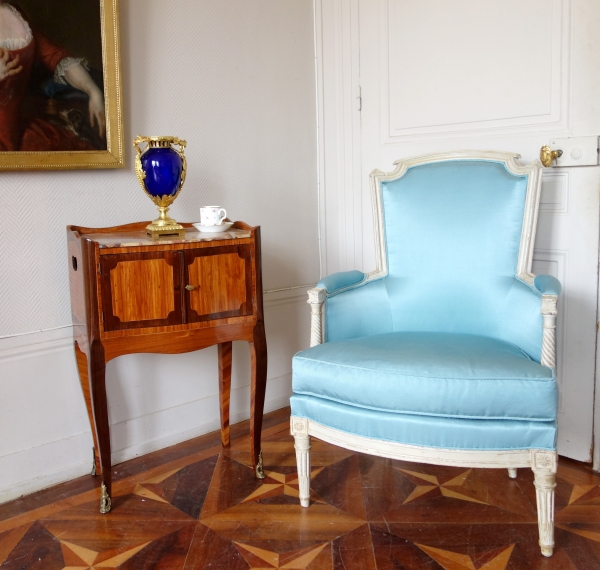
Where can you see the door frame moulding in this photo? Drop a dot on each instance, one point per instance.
(337, 52)
(596, 424)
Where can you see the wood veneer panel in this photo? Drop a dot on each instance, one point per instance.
(192, 328)
(219, 283)
(177, 342)
(141, 290)
(222, 281)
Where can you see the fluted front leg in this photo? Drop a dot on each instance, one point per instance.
(544, 470)
(299, 429)
(512, 472)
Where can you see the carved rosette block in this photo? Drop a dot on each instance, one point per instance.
(299, 429)
(543, 464)
(316, 298)
(549, 312)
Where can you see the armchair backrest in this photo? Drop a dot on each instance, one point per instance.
(455, 240)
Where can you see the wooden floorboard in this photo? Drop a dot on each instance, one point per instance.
(196, 505)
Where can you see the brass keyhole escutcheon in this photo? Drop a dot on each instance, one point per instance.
(548, 156)
(190, 287)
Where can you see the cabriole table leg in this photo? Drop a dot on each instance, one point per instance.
(258, 365)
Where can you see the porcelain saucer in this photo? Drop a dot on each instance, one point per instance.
(213, 229)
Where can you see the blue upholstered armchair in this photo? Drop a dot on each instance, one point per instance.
(445, 354)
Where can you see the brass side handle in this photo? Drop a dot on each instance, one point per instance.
(548, 156)
(190, 287)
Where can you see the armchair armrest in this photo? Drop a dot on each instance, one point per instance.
(335, 282)
(330, 285)
(347, 305)
(547, 285)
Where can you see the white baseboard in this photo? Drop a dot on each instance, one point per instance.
(186, 424)
(24, 472)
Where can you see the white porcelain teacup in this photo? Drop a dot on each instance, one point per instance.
(212, 215)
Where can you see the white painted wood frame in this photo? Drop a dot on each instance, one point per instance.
(542, 462)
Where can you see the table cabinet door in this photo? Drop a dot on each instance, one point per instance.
(141, 290)
(219, 282)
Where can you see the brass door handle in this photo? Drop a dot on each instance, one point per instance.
(190, 287)
(547, 156)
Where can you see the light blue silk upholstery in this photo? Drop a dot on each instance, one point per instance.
(427, 431)
(435, 374)
(445, 349)
(338, 281)
(547, 285)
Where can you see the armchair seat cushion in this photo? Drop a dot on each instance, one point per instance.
(430, 374)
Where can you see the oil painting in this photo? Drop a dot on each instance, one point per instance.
(59, 84)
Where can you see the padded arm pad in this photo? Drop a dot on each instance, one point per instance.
(341, 280)
(547, 285)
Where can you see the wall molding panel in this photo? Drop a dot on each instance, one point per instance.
(547, 109)
(555, 192)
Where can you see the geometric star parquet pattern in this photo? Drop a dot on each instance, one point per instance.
(207, 510)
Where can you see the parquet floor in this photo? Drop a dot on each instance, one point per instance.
(196, 506)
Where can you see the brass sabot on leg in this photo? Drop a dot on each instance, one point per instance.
(260, 474)
(105, 503)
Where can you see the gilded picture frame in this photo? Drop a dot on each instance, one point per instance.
(103, 146)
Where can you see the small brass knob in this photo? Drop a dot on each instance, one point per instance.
(190, 287)
(547, 156)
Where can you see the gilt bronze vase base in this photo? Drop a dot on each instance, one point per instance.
(164, 226)
(156, 232)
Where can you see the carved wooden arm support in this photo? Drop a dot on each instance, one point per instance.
(549, 312)
(316, 298)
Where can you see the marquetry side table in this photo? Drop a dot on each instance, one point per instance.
(130, 294)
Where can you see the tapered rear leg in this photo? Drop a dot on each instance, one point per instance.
(82, 367)
(258, 366)
(225, 350)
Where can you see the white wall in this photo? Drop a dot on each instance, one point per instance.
(235, 78)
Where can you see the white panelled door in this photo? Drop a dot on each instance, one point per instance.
(505, 75)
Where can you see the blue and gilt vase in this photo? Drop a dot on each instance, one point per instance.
(161, 171)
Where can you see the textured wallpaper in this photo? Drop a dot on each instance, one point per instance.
(235, 78)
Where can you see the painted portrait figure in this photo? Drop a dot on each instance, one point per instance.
(49, 100)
